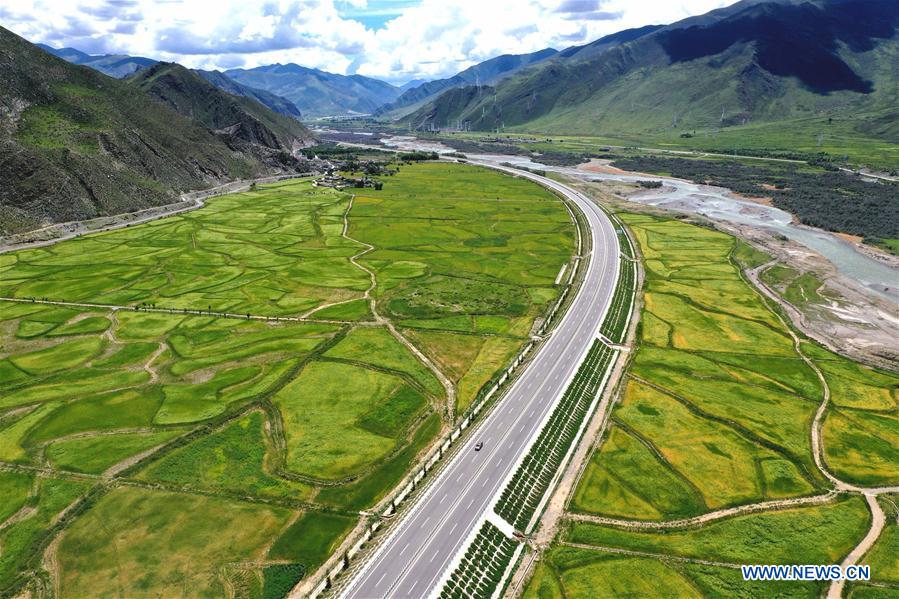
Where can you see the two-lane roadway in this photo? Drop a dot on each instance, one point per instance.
(415, 556)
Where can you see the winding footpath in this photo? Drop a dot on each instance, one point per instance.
(448, 387)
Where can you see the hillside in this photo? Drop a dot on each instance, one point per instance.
(483, 73)
(317, 93)
(77, 144)
(114, 65)
(268, 99)
(744, 66)
(244, 123)
(122, 65)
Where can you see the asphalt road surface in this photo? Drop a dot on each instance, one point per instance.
(413, 558)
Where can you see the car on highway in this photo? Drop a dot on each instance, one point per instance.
(479, 445)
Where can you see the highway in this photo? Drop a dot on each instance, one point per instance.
(417, 552)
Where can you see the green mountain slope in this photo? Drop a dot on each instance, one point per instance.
(756, 63)
(77, 144)
(483, 73)
(244, 123)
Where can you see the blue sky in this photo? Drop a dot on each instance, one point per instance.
(393, 40)
(374, 15)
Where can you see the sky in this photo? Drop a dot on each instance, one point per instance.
(393, 40)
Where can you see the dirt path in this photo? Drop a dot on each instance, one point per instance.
(148, 365)
(448, 386)
(175, 311)
(115, 469)
(659, 556)
(26, 511)
(50, 563)
(366, 248)
(877, 522)
(777, 504)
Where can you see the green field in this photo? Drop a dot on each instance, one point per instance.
(457, 257)
(716, 411)
(718, 405)
(577, 572)
(883, 557)
(590, 560)
(776, 537)
(149, 543)
(177, 425)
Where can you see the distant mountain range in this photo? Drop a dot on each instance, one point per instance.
(289, 89)
(752, 62)
(114, 65)
(273, 101)
(76, 144)
(483, 73)
(318, 93)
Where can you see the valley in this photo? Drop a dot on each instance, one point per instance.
(416, 299)
(112, 414)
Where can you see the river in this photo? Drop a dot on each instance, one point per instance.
(719, 204)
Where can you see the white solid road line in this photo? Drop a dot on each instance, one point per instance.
(428, 551)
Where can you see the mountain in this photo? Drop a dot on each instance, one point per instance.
(114, 65)
(121, 66)
(754, 62)
(317, 93)
(272, 101)
(483, 73)
(244, 123)
(410, 84)
(77, 144)
(597, 47)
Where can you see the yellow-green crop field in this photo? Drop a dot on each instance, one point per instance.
(169, 453)
(716, 412)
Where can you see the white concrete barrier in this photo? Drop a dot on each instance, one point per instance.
(358, 546)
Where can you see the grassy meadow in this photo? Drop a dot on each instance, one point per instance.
(201, 455)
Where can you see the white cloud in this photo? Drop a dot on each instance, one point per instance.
(433, 38)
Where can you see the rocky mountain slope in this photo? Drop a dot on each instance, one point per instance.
(77, 144)
(483, 73)
(245, 124)
(122, 65)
